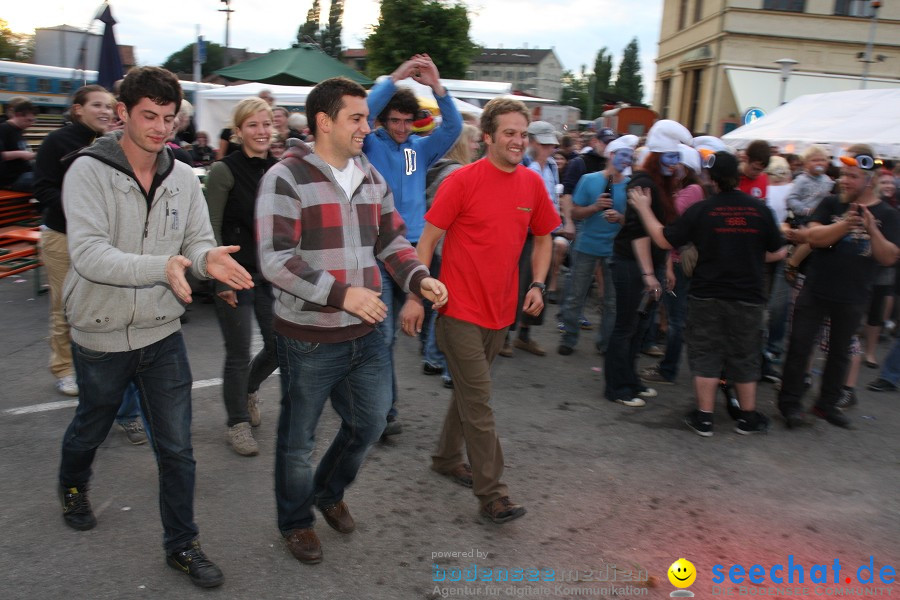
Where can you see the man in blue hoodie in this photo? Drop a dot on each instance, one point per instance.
(403, 160)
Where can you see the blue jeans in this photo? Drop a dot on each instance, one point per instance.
(432, 354)
(394, 297)
(779, 306)
(580, 277)
(243, 374)
(890, 370)
(352, 373)
(676, 307)
(621, 377)
(163, 377)
(131, 405)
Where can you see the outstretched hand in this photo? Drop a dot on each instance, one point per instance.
(221, 266)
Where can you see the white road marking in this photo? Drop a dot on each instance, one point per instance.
(36, 408)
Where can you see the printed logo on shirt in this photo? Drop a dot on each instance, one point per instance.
(524, 208)
(410, 155)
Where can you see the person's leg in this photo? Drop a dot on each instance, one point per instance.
(432, 354)
(779, 303)
(393, 297)
(362, 400)
(237, 326)
(265, 361)
(580, 278)
(102, 379)
(626, 277)
(309, 371)
(845, 319)
(560, 248)
(470, 350)
(55, 257)
(163, 377)
(607, 291)
(890, 369)
(805, 323)
(706, 388)
(676, 307)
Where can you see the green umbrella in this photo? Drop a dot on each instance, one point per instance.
(303, 65)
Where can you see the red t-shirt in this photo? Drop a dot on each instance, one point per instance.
(757, 187)
(487, 213)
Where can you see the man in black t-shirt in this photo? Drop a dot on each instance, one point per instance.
(735, 235)
(851, 234)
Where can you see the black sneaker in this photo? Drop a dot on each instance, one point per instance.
(430, 369)
(795, 420)
(192, 561)
(847, 398)
(881, 385)
(751, 423)
(77, 508)
(699, 422)
(565, 350)
(833, 415)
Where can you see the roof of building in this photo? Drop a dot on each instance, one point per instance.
(524, 56)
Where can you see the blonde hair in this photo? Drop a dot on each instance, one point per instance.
(813, 151)
(245, 109)
(778, 168)
(461, 151)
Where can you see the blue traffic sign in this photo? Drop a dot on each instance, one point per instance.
(753, 114)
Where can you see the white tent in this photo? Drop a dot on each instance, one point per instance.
(214, 107)
(834, 119)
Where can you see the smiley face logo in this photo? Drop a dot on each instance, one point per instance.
(682, 573)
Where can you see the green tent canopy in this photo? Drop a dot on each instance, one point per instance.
(303, 65)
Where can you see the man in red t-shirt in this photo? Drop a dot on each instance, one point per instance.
(753, 180)
(486, 210)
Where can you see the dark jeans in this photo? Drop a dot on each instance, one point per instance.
(779, 307)
(163, 377)
(622, 381)
(581, 275)
(809, 313)
(676, 308)
(352, 373)
(242, 374)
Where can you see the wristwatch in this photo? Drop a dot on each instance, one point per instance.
(539, 285)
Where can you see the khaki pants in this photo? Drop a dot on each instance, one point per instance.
(470, 350)
(55, 256)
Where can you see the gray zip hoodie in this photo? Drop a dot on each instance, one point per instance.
(116, 295)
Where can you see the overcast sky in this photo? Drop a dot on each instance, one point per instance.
(576, 29)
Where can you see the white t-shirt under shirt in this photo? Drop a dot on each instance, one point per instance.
(344, 177)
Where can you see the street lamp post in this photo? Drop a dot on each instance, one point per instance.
(227, 10)
(786, 64)
(867, 57)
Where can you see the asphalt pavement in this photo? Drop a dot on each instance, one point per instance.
(614, 494)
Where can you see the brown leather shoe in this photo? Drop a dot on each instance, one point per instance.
(502, 510)
(530, 346)
(338, 517)
(461, 474)
(304, 544)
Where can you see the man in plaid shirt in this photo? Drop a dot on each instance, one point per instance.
(322, 219)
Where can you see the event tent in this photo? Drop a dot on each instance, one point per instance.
(214, 106)
(303, 65)
(834, 119)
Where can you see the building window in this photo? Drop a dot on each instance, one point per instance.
(698, 10)
(521, 75)
(498, 73)
(510, 75)
(787, 5)
(665, 98)
(694, 100)
(682, 14)
(853, 8)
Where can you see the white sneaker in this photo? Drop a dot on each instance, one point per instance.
(647, 392)
(67, 385)
(253, 409)
(633, 402)
(241, 439)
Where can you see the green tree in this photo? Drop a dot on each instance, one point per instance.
(407, 27)
(330, 38)
(309, 31)
(574, 90)
(183, 60)
(599, 84)
(629, 84)
(15, 46)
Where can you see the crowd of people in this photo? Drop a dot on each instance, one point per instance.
(337, 229)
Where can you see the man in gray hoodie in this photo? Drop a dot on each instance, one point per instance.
(136, 222)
